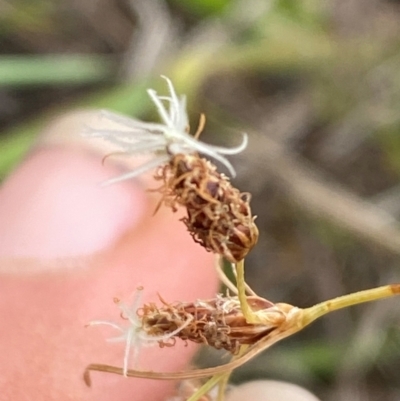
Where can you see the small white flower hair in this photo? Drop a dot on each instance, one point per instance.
(133, 333)
(164, 139)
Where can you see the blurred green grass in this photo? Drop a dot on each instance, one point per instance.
(19, 71)
(276, 49)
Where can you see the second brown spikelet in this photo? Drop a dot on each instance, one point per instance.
(217, 322)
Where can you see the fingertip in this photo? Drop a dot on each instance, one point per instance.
(53, 207)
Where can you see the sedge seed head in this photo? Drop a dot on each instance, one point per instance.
(218, 215)
(217, 322)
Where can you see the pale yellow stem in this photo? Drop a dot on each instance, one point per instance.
(222, 386)
(250, 316)
(202, 123)
(221, 378)
(224, 381)
(321, 309)
(248, 288)
(205, 388)
(222, 276)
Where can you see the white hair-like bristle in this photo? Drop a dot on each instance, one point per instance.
(133, 334)
(162, 139)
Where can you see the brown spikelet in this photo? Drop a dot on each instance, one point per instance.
(218, 322)
(218, 215)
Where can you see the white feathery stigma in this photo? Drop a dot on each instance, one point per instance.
(133, 333)
(164, 139)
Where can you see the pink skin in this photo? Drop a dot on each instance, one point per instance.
(67, 248)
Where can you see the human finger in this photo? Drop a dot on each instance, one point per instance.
(67, 248)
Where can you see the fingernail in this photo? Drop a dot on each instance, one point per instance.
(52, 205)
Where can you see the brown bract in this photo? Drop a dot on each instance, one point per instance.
(218, 322)
(218, 215)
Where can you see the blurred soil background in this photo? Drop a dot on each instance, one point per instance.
(316, 84)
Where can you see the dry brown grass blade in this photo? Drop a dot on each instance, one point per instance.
(253, 351)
